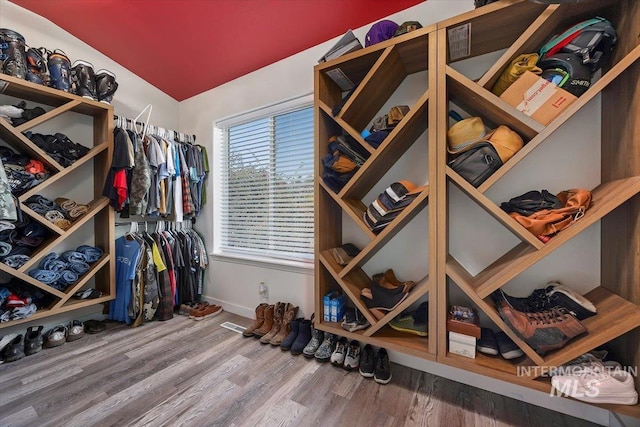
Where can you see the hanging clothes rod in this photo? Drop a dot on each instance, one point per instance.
(130, 124)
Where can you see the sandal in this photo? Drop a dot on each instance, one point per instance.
(55, 336)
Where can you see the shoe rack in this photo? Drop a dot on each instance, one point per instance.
(379, 70)
(96, 227)
(524, 27)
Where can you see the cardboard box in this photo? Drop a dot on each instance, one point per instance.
(537, 97)
(327, 305)
(463, 345)
(338, 308)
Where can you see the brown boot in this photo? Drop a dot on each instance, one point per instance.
(278, 312)
(267, 324)
(258, 322)
(543, 331)
(289, 314)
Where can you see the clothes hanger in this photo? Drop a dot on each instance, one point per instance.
(149, 107)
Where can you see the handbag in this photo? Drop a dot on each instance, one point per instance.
(477, 164)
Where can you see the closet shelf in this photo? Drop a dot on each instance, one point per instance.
(95, 267)
(91, 154)
(346, 127)
(40, 219)
(95, 207)
(69, 106)
(30, 280)
(22, 144)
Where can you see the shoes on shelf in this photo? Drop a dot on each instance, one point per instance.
(413, 322)
(367, 361)
(543, 331)
(33, 340)
(55, 336)
(382, 371)
(267, 324)
(487, 343)
(554, 295)
(207, 311)
(338, 355)
(317, 337)
(508, 349)
(595, 383)
(324, 352)
(14, 349)
(260, 309)
(352, 358)
(75, 331)
(354, 320)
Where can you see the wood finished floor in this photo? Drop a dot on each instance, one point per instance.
(187, 373)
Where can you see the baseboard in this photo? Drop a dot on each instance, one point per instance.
(247, 312)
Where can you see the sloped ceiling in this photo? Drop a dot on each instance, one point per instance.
(185, 47)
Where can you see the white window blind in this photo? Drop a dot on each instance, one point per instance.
(266, 197)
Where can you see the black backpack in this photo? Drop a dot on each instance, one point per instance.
(477, 164)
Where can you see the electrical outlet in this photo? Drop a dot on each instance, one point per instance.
(263, 290)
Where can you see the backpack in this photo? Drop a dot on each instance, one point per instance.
(531, 202)
(592, 40)
(380, 31)
(477, 164)
(548, 222)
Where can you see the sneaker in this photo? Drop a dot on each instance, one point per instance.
(382, 371)
(210, 310)
(33, 340)
(55, 336)
(543, 331)
(412, 322)
(338, 355)
(594, 384)
(317, 337)
(352, 358)
(508, 349)
(354, 320)
(186, 308)
(324, 352)
(367, 362)
(487, 343)
(553, 295)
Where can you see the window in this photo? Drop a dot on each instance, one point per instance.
(265, 203)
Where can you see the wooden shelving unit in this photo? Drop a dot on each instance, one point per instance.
(616, 202)
(101, 275)
(378, 72)
(523, 27)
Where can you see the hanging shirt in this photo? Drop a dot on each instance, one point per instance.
(127, 253)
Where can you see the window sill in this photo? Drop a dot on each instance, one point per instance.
(283, 265)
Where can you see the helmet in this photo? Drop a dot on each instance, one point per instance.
(567, 71)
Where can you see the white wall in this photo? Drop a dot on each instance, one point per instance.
(133, 93)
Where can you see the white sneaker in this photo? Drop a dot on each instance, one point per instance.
(596, 384)
(352, 359)
(337, 357)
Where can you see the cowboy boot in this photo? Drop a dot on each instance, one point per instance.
(267, 324)
(260, 309)
(278, 313)
(285, 327)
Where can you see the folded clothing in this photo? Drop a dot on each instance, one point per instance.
(45, 276)
(78, 267)
(69, 256)
(16, 261)
(91, 253)
(67, 277)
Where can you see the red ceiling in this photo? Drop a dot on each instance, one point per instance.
(185, 47)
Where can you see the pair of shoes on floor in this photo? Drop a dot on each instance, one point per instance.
(492, 343)
(185, 308)
(204, 310)
(413, 322)
(95, 326)
(597, 383)
(375, 365)
(346, 354)
(299, 337)
(60, 334)
(272, 324)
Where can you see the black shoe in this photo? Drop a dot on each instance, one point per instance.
(14, 350)
(303, 337)
(553, 296)
(508, 349)
(83, 80)
(367, 362)
(487, 343)
(382, 372)
(33, 340)
(106, 85)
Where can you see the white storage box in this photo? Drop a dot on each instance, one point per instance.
(463, 345)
